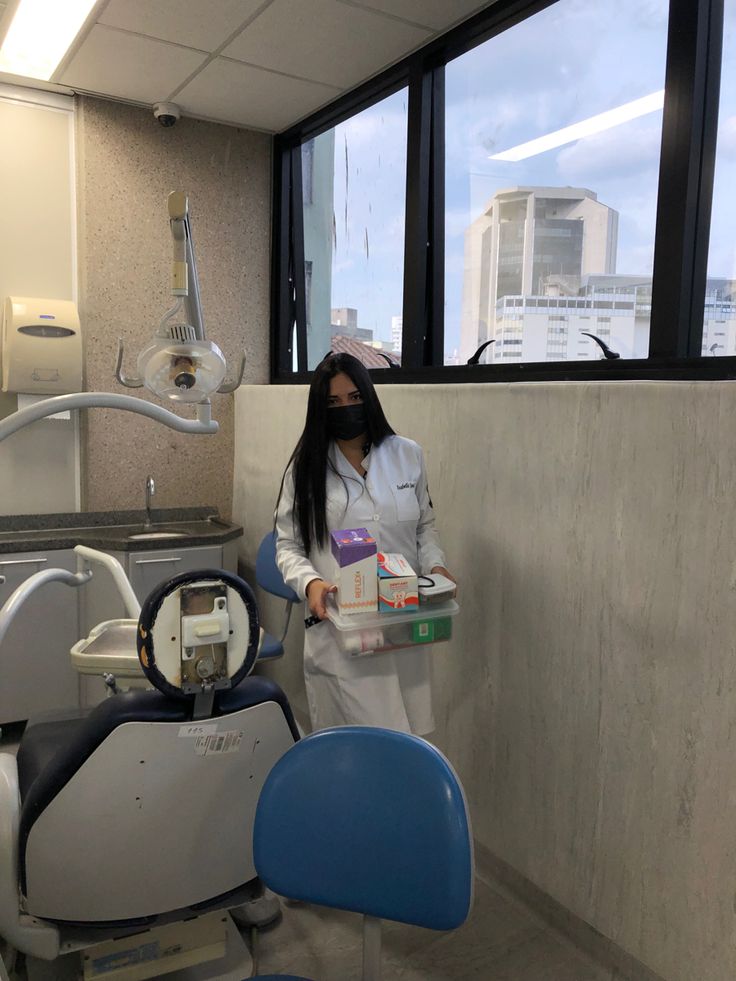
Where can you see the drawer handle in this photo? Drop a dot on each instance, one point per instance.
(23, 562)
(2, 580)
(173, 558)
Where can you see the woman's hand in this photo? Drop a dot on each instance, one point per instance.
(440, 570)
(317, 591)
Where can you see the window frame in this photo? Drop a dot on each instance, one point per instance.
(682, 228)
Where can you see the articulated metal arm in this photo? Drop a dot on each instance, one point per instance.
(107, 400)
(18, 597)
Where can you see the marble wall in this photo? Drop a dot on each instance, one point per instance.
(126, 166)
(587, 697)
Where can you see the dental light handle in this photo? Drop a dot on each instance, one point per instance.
(204, 422)
(109, 562)
(18, 597)
(185, 281)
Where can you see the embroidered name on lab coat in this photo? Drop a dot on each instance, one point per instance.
(407, 486)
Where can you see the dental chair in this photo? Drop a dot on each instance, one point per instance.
(126, 834)
(269, 578)
(368, 820)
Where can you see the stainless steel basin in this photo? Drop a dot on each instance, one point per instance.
(151, 536)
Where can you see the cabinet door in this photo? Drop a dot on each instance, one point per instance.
(36, 673)
(147, 569)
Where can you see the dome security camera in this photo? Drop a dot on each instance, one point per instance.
(167, 113)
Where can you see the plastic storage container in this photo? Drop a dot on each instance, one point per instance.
(374, 633)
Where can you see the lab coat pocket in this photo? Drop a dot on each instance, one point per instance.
(407, 505)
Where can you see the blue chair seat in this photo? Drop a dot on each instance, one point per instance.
(270, 647)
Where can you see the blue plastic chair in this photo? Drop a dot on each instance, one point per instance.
(367, 820)
(269, 578)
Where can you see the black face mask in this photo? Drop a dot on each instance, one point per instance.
(347, 421)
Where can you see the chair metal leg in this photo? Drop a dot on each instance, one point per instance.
(371, 949)
(285, 631)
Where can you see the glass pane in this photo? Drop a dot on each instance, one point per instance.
(353, 182)
(553, 133)
(719, 319)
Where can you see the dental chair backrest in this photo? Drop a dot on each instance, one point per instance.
(146, 806)
(372, 821)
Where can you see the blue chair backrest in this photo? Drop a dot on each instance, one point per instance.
(369, 820)
(268, 576)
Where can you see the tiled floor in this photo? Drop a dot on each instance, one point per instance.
(502, 941)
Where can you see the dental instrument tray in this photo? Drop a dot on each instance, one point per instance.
(110, 647)
(374, 633)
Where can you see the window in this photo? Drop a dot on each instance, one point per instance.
(720, 287)
(529, 165)
(353, 224)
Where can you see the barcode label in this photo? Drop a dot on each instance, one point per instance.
(226, 742)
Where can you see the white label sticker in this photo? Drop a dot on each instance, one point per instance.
(195, 730)
(225, 742)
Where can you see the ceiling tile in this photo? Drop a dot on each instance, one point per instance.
(127, 66)
(237, 93)
(195, 24)
(324, 40)
(437, 14)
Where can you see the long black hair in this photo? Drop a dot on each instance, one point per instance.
(310, 459)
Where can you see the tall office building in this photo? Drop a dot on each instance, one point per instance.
(532, 241)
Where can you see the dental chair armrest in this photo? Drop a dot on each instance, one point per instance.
(25, 933)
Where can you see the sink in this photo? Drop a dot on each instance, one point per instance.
(152, 536)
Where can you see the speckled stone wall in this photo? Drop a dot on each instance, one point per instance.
(127, 164)
(588, 697)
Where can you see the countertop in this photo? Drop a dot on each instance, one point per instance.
(111, 530)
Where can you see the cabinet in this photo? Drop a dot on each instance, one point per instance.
(36, 674)
(147, 569)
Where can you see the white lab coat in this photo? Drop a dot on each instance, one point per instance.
(392, 690)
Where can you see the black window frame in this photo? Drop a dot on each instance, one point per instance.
(682, 230)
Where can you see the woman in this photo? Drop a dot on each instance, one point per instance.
(350, 470)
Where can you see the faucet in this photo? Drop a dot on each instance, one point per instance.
(150, 491)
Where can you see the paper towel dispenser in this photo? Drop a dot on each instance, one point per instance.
(40, 346)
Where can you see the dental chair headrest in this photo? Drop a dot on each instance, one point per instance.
(198, 631)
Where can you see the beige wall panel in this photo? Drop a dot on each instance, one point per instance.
(127, 166)
(37, 258)
(587, 697)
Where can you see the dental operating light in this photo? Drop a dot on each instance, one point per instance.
(179, 364)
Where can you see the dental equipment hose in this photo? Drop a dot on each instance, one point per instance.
(21, 594)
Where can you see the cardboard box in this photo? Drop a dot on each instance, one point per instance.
(397, 584)
(354, 551)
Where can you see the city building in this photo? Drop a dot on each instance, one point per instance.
(531, 243)
(397, 329)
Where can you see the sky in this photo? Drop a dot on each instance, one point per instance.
(576, 59)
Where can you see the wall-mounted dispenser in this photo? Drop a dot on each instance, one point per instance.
(40, 346)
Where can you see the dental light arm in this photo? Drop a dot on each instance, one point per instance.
(107, 400)
(180, 363)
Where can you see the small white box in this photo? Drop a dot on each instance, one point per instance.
(397, 584)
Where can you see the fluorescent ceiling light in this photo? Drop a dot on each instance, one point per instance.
(587, 127)
(40, 35)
